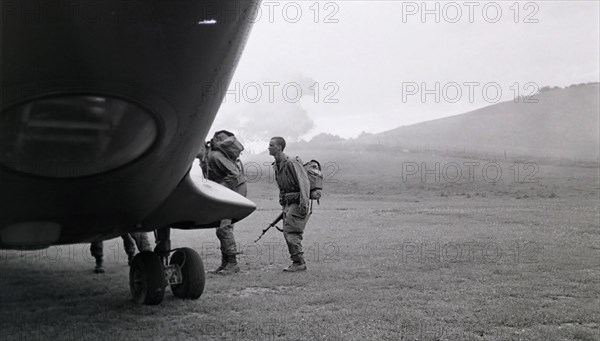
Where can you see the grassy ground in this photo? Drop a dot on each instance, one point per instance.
(388, 259)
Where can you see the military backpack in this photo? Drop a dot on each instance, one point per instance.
(315, 177)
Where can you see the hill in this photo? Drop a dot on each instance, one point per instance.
(563, 123)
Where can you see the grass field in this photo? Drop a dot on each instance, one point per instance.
(391, 255)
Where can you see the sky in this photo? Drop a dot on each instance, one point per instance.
(348, 67)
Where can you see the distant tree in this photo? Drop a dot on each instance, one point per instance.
(325, 137)
(549, 88)
(577, 85)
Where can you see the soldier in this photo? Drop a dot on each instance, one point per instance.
(130, 240)
(222, 166)
(294, 189)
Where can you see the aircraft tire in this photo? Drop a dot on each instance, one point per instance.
(147, 278)
(192, 271)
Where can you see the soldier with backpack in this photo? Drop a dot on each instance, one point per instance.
(294, 195)
(221, 164)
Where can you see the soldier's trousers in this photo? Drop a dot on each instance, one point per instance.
(139, 239)
(228, 246)
(293, 231)
(130, 240)
(97, 250)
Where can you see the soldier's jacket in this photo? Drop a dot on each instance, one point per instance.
(292, 181)
(223, 170)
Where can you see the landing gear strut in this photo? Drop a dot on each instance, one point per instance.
(150, 272)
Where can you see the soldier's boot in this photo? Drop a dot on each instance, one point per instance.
(231, 267)
(298, 263)
(295, 267)
(222, 266)
(99, 269)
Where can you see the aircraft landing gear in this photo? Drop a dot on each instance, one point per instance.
(192, 273)
(147, 278)
(150, 273)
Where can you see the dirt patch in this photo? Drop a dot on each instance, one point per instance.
(261, 291)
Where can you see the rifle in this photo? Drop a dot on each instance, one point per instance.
(279, 217)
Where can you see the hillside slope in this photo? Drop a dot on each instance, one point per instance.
(563, 123)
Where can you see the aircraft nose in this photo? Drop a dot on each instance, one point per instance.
(200, 203)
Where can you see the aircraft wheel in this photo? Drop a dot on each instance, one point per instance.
(192, 272)
(147, 278)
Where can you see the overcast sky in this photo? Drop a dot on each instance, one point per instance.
(378, 65)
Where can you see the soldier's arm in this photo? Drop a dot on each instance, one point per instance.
(230, 169)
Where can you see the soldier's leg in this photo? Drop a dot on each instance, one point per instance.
(141, 241)
(97, 251)
(293, 232)
(129, 246)
(228, 246)
(221, 235)
(294, 244)
(225, 235)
